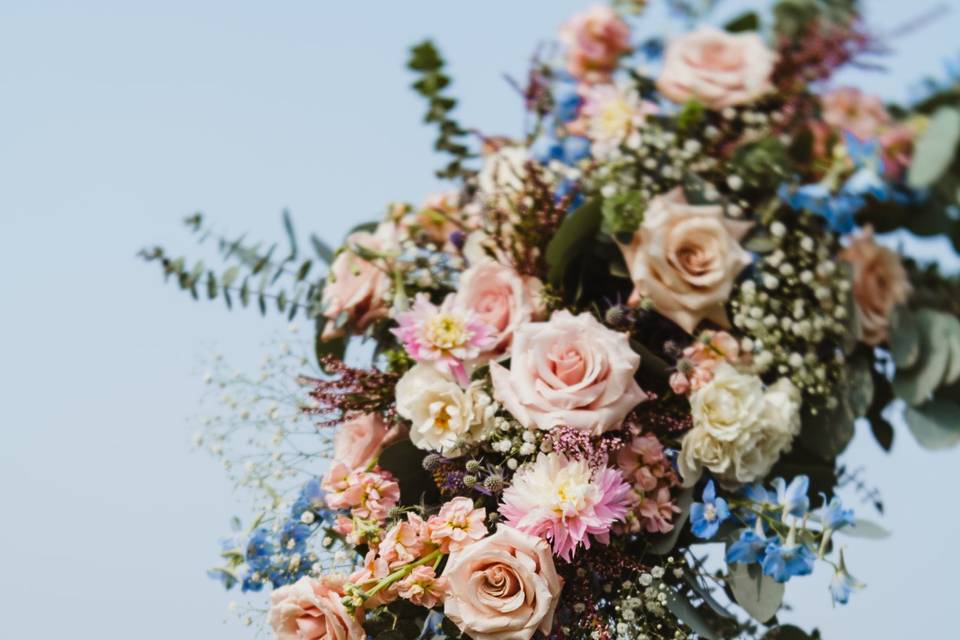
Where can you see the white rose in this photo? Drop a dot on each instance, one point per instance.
(698, 450)
(778, 426)
(729, 405)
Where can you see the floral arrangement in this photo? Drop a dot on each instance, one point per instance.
(648, 323)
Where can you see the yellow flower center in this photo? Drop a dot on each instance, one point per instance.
(446, 331)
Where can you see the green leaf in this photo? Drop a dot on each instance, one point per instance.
(917, 384)
(866, 530)
(229, 276)
(688, 615)
(405, 461)
(787, 632)
(291, 235)
(748, 21)
(211, 285)
(335, 347)
(322, 249)
(758, 594)
(935, 150)
(904, 338)
(882, 431)
(935, 425)
(576, 230)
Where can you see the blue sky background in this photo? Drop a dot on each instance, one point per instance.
(118, 118)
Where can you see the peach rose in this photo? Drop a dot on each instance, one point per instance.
(311, 609)
(499, 297)
(504, 587)
(880, 283)
(717, 68)
(849, 109)
(358, 441)
(571, 371)
(595, 40)
(685, 258)
(356, 288)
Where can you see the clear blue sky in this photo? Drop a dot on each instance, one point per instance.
(118, 118)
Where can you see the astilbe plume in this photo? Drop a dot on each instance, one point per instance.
(349, 392)
(576, 444)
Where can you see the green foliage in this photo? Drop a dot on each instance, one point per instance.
(690, 117)
(623, 214)
(865, 529)
(936, 424)
(577, 230)
(936, 148)
(790, 632)
(938, 362)
(748, 21)
(763, 164)
(758, 594)
(249, 274)
(792, 18)
(425, 60)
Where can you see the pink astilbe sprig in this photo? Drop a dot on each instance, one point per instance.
(446, 336)
(566, 502)
(348, 392)
(576, 444)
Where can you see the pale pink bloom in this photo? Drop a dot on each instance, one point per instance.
(457, 525)
(595, 40)
(356, 290)
(700, 360)
(422, 587)
(358, 441)
(311, 609)
(447, 336)
(501, 298)
(343, 526)
(373, 570)
(504, 587)
(368, 494)
(646, 467)
(404, 542)
(849, 109)
(565, 502)
(679, 383)
(641, 451)
(656, 511)
(570, 371)
(610, 113)
(717, 68)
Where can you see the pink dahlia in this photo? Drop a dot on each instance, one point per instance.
(446, 335)
(566, 502)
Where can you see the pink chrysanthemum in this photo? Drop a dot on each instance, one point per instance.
(446, 336)
(566, 502)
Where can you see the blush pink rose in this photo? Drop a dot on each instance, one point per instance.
(595, 40)
(358, 441)
(501, 298)
(685, 259)
(311, 609)
(570, 371)
(849, 109)
(880, 283)
(504, 587)
(717, 68)
(356, 288)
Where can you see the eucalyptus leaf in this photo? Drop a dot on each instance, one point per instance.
(904, 338)
(952, 339)
(917, 384)
(935, 425)
(748, 21)
(865, 529)
(322, 249)
(935, 150)
(759, 595)
(688, 615)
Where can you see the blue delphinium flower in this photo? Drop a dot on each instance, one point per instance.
(792, 498)
(566, 99)
(751, 547)
(260, 548)
(839, 210)
(311, 500)
(843, 584)
(784, 561)
(707, 516)
(567, 150)
(832, 515)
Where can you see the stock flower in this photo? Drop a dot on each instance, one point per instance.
(499, 297)
(442, 413)
(716, 68)
(404, 542)
(373, 570)
(358, 440)
(422, 587)
(446, 337)
(595, 40)
(368, 494)
(685, 258)
(566, 502)
(311, 609)
(570, 371)
(457, 525)
(504, 587)
(357, 288)
(880, 283)
(646, 467)
(707, 516)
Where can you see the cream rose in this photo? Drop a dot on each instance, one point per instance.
(311, 609)
(358, 441)
(356, 288)
(717, 68)
(503, 587)
(685, 258)
(740, 429)
(571, 371)
(880, 283)
(499, 297)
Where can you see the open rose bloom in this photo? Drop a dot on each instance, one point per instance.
(602, 385)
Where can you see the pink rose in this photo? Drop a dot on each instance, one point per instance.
(571, 371)
(880, 283)
(595, 40)
(685, 258)
(499, 297)
(717, 68)
(504, 587)
(358, 441)
(849, 109)
(356, 288)
(311, 609)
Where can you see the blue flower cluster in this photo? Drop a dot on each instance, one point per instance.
(276, 555)
(774, 532)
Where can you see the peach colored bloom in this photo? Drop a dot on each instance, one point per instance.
(700, 360)
(504, 587)
(423, 588)
(373, 570)
(368, 494)
(311, 609)
(717, 68)
(595, 40)
(685, 258)
(457, 525)
(358, 441)
(404, 542)
(570, 371)
(501, 298)
(880, 283)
